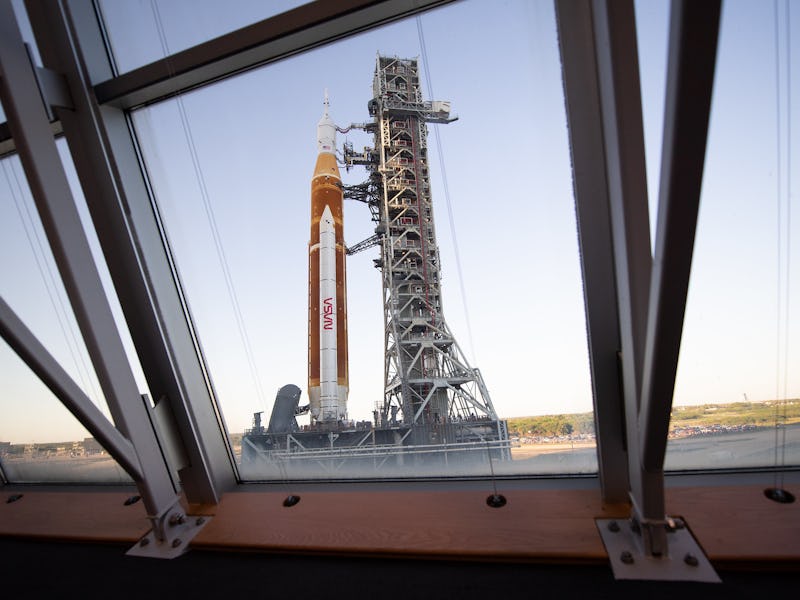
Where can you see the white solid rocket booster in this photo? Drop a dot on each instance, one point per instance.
(328, 371)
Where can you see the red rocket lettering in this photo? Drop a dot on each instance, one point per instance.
(327, 313)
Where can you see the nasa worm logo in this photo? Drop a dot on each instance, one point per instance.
(327, 313)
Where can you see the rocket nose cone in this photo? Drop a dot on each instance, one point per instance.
(327, 216)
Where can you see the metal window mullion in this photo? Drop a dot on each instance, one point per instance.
(620, 98)
(652, 293)
(303, 28)
(61, 221)
(621, 108)
(579, 64)
(3, 478)
(694, 28)
(107, 163)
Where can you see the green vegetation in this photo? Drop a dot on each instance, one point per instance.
(758, 414)
(551, 425)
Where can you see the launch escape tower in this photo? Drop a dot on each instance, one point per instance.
(428, 382)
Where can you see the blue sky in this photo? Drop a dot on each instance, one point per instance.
(510, 190)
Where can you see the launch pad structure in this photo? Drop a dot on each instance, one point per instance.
(434, 404)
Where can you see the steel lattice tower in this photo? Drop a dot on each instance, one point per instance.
(427, 378)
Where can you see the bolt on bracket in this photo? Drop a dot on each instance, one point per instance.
(684, 560)
(177, 531)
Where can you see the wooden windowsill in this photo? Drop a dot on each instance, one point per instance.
(735, 524)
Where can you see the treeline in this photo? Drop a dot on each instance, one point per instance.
(759, 414)
(551, 425)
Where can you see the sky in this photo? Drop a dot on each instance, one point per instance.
(230, 166)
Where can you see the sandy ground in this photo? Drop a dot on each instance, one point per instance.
(755, 449)
(530, 450)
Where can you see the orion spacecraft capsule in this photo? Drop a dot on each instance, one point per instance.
(328, 383)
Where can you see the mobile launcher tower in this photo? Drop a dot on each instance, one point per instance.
(429, 387)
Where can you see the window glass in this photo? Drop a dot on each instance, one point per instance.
(737, 397)
(231, 165)
(39, 439)
(143, 31)
(652, 33)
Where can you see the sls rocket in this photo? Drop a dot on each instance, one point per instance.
(328, 382)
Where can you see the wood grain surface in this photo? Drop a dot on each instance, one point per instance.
(75, 515)
(734, 524)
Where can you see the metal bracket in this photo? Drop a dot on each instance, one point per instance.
(684, 561)
(163, 421)
(170, 535)
(52, 87)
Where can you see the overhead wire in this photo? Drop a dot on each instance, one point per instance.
(446, 189)
(50, 282)
(788, 229)
(778, 247)
(789, 138)
(212, 221)
(783, 244)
